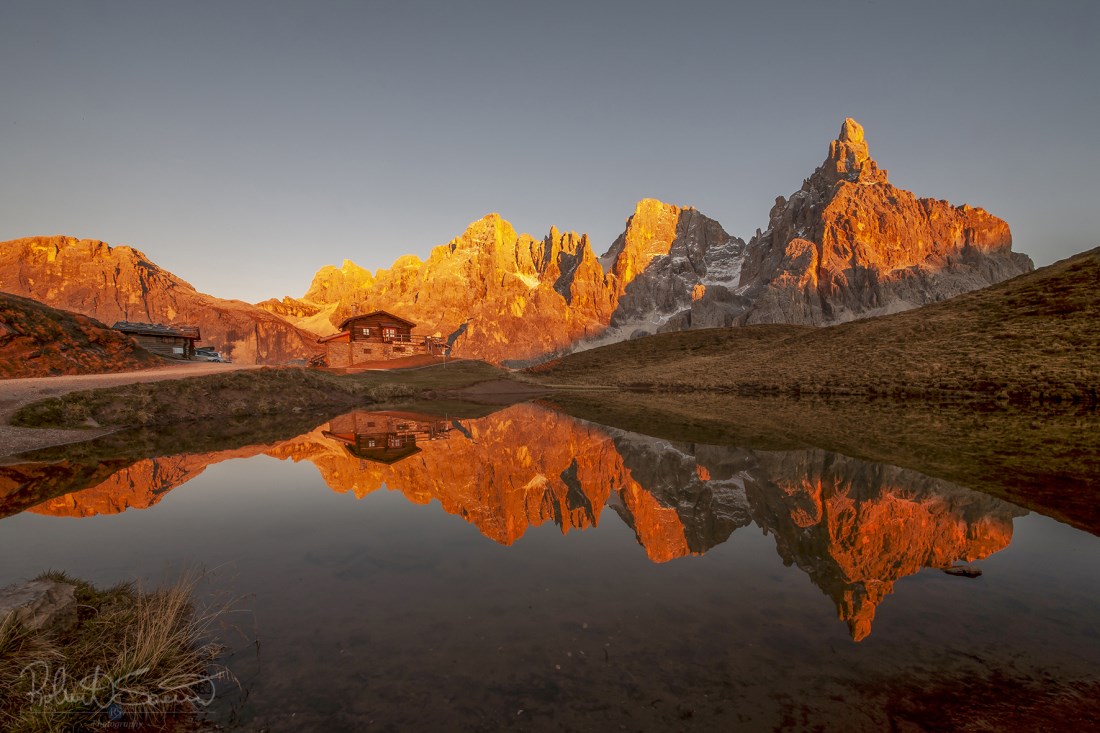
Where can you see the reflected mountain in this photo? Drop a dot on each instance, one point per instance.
(517, 468)
(27, 485)
(139, 485)
(161, 459)
(854, 527)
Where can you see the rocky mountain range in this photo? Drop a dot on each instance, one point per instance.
(847, 245)
(501, 294)
(114, 284)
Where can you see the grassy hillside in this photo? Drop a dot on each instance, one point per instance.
(1036, 337)
(39, 341)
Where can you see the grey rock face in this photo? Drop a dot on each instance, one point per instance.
(702, 255)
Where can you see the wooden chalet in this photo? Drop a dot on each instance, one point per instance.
(177, 342)
(376, 336)
(386, 437)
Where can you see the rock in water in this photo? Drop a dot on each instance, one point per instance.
(963, 571)
(39, 604)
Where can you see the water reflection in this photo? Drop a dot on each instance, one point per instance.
(854, 527)
(386, 437)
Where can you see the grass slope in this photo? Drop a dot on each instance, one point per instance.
(39, 341)
(1035, 337)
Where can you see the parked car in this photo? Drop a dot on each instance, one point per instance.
(208, 355)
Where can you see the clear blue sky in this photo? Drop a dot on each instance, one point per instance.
(244, 145)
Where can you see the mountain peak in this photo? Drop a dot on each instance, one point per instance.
(654, 207)
(851, 131)
(849, 159)
(489, 233)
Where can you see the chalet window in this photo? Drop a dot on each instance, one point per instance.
(371, 444)
(389, 333)
(366, 331)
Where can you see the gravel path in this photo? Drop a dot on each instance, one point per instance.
(14, 393)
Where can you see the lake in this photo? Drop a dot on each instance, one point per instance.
(530, 570)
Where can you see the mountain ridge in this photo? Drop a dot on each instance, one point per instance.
(120, 283)
(847, 245)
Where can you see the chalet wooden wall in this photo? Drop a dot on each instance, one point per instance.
(180, 348)
(376, 324)
(341, 353)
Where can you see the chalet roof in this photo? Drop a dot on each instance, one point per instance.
(333, 337)
(158, 329)
(387, 314)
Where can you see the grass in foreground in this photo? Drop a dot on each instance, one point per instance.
(244, 394)
(149, 653)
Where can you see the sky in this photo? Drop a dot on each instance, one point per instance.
(243, 145)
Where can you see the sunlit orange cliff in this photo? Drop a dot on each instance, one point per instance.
(847, 245)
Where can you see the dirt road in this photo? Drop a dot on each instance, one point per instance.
(14, 393)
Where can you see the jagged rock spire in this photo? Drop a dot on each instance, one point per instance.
(849, 160)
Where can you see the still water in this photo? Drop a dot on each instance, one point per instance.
(530, 571)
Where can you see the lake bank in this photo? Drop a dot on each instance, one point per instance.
(37, 413)
(1046, 459)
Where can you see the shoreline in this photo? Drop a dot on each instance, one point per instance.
(119, 400)
(20, 392)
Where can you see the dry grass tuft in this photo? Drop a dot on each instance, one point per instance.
(148, 656)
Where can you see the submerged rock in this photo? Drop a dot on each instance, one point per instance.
(39, 604)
